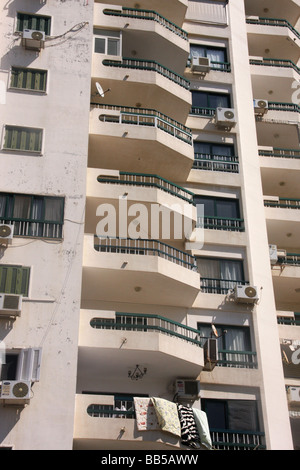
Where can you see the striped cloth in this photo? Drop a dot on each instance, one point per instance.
(189, 432)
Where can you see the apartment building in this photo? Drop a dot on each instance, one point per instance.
(149, 224)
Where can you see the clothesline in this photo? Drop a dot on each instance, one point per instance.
(189, 424)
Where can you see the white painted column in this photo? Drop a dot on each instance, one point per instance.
(272, 391)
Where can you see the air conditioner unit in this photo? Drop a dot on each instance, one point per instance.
(210, 350)
(294, 395)
(187, 389)
(6, 233)
(246, 294)
(200, 64)
(10, 305)
(15, 392)
(225, 117)
(260, 106)
(33, 40)
(273, 254)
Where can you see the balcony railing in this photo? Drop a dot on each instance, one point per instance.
(148, 180)
(280, 153)
(35, 228)
(275, 106)
(237, 359)
(273, 22)
(290, 259)
(219, 286)
(206, 112)
(291, 321)
(147, 15)
(211, 162)
(283, 203)
(275, 63)
(149, 323)
(145, 247)
(150, 65)
(145, 117)
(225, 439)
(221, 223)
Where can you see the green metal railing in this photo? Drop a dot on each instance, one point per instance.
(291, 259)
(221, 223)
(291, 321)
(148, 323)
(151, 15)
(202, 111)
(275, 106)
(149, 65)
(283, 203)
(149, 180)
(145, 117)
(273, 22)
(229, 164)
(228, 439)
(280, 153)
(219, 286)
(145, 247)
(275, 63)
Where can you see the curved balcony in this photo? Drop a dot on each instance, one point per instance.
(283, 222)
(174, 10)
(140, 140)
(277, 75)
(146, 32)
(143, 81)
(166, 348)
(274, 9)
(286, 276)
(146, 271)
(272, 34)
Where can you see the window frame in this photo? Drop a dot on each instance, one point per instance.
(209, 95)
(97, 35)
(20, 129)
(28, 364)
(22, 285)
(20, 22)
(12, 76)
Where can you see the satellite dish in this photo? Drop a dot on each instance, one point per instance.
(214, 329)
(100, 90)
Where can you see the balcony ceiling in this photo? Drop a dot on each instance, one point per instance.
(279, 181)
(285, 9)
(278, 134)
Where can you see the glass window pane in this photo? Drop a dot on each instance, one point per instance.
(227, 209)
(219, 101)
(22, 206)
(226, 150)
(199, 99)
(113, 47)
(216, 413)
(53, 210)
(100, 45)
(231, 270)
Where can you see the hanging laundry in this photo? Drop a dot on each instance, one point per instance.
(203, 428)
(146, 418)
(189, 432)
(167, 415)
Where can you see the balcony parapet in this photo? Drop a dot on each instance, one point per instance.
(279, 153)
(227, 439)
(273, 22)
(284, 63)
(145, 247)
(149, 180)
(147, 15)
(229, 164)
(219, 286)
(283, 203)
(221, 223)
(150, 65)
(145, 117)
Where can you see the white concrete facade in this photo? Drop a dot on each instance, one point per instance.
(98, 306)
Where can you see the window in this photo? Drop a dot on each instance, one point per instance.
(34, 22)
(203, 99)
(22, 364)
(36, 216)
(212, 149)
(28, 79)
(25, 139)
(219, 213)
(238, 415)
(217, 55)
(107, 42)
(14, 279)
(219, 275)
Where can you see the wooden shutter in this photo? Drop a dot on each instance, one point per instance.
(14, 279)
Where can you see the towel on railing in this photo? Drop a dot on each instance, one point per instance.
(167, 415)
(146, 418)
(189, 432)
(202, 426)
